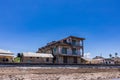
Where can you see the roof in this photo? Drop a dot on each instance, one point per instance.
(55, 44)
(98, 57)
(76, 37)
(59, 43)
(87, 59)
(31, 54)
(6, 53)
(109, 59)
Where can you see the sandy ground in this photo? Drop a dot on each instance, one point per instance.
(27, 73)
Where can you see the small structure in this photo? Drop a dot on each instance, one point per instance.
(98, 60)
(6, 56)
(113, 60)
(116, 60)
(86, 60)
(30, 57)
(108, 61)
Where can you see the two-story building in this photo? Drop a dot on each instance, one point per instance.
(69, 50)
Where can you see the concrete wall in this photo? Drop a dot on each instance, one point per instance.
(36, 60)
(9, 58)
(70, 60)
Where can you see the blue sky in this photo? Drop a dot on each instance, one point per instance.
(26, 25)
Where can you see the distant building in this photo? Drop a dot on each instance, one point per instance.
(101, 60)
(30, 57)
(97, 60)
(108, 61)
(6, 56)
(113, 60)
(98, 57)
(116, 60)
(86, 60)
(66, 51)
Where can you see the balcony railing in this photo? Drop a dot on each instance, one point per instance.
(70, 54)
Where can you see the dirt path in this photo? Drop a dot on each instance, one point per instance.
(33, 73)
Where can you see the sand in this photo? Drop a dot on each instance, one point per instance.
(38, 73)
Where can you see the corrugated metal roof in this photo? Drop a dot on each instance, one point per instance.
(6, 55)
(87, 59)
(5, 51)
(30, 54)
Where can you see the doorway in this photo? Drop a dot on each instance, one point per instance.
(65, 59)
(5, 60)
(75, 60)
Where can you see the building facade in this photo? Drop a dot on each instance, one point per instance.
(116, 60)
(98, 60)
(6, 56)
(30, 57)
(108, 61)
(66, 51)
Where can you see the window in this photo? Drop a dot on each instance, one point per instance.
(109, 62)
(29, 61)
(64, 50)
(5, 60)
(75, 60)
(74, 51)
(64, 41)
(47, 59)
(74, 42)
(65, 59)
(54, 50)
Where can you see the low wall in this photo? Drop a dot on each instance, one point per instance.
(57, 70)
(59, 65)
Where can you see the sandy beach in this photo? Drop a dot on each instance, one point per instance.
(38, 73)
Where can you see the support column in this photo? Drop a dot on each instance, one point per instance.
(82, 49)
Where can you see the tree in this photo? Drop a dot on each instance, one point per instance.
(110, 55)
(18, 55)
(116, 54)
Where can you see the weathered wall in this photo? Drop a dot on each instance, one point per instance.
(70, 60)
(10, 59)
(36, 60)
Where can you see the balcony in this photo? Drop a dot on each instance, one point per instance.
(76, 44)
(71, 54)
(77, 55)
